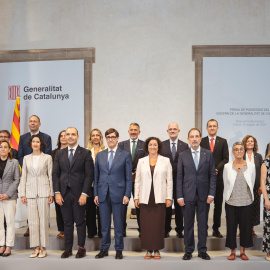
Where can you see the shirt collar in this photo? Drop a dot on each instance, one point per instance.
(131, 141)
(198, 150)
(173, 141)
(34, 133)
(114, 149)
(74, 148)
(211, 138)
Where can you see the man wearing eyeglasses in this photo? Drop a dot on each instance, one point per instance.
(5, 136)
(172, 148)
(219, 148)
(112, 191)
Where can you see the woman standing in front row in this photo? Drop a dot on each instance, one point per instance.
(153, 193)
(36, 191)
(239, 179)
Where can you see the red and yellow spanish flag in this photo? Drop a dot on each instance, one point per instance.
(15, 130)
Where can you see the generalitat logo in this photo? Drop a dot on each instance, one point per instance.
(13, 92)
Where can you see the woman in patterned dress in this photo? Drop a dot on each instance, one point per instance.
(265, 186)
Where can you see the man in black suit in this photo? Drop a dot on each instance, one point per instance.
(196, 187)
(34, 125)
(135, 147)
(73, 174)
(219, 147)
(171, 149)
(5, 135)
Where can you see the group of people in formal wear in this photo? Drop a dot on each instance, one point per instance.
(86, 183)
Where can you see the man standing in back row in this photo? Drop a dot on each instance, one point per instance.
(219, 147)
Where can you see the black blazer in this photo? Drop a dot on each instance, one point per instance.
(80, 174)
(221, 153)
(166, 152)
(14, 153)
(139, 152)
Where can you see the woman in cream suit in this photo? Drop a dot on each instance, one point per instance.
(239, 179)
(36, 191)
(153, 193)
(95, 145)
(9, 181)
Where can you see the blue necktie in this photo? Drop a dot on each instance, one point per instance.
(70, 156)
(173, 150)
(110, 159)
(196, 159)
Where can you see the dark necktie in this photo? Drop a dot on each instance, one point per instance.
(70, 156)
(110, 159)
(173, 150)
(196, 159)
(133, 149)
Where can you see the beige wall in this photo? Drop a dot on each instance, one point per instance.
(144, 70)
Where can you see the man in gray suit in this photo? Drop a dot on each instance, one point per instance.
(196, 187)
(135, 147)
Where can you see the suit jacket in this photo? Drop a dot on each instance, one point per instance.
(25, 150)
(139, 151)
(229, 176)
(220, 153)
(80, 174)
(118, 179)
(190, 180)
(166, 152)
(10, 179)
(162, 180)
(14, 153)
(36, 182)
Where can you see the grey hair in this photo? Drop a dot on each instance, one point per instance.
(237, 143)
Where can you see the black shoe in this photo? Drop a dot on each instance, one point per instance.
(6, 254)
(67, 253)
(204, 256)
(81, 253)
(101, 254)
(119, 255)
(187, 256)
(91, 236)
(166, 235)
(217, 234)
(124, 234)
(180, 235)
(139, 235)
(99, 234)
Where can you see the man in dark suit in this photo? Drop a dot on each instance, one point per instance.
(34, 125)
(5, 135)
(171, 149)
(73, 174)
(112, 190)
(196, 187)
(135, 147)
(219, 147)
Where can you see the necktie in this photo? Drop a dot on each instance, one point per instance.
(110, 159)
(70, 156)
(196, 159)
(173, 150)
(133, 149)
(212, 145)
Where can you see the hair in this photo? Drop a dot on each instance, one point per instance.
(101, 144)
(10, 152)
(147, 141)
(6, 131)
(244, 142)
(268, 153)
(35, 116)
(75, 129)
(135, 124)
(237, 143)
(58, 144)
(111, 130)
(173, 123)
(195, 129)
(211, 120)
(42, 142)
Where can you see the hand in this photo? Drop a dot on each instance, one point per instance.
(82, 200)
(125, 200)
(3, 197)
(216, 171)
(58, 198)
(137, 202)
(96, 201)
(50, 200)
(209, 200)
(267, 205)
(181, 202)
(24, 200)
(260, 191)
(168, 203)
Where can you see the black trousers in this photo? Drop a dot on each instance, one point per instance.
(73, 212)
(91, 213)
(241, 215)
(218, 200)
(59, 218)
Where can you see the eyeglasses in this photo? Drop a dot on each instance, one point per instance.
(172, 129)
(4, 137)
(111, 138)
(238, 150)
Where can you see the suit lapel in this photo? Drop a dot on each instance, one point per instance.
(190, 156)
(202, 158)
(40, 161)
(116, 157)
(147, 164)
(65, 156)
(216, 144)
(8, 166)
(127, 146)
(77, 154)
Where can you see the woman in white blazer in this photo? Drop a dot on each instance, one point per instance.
(153, 193)
(239, 179)
(36, 191)
(95, 145)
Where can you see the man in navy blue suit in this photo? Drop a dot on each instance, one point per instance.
(196, 187)
(112, 190)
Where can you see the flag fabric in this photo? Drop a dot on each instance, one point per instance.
(15, 130)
